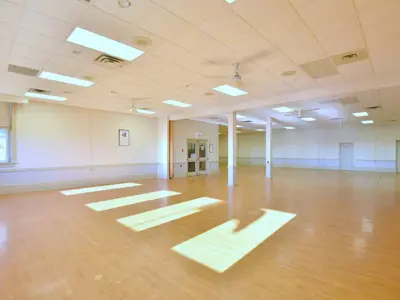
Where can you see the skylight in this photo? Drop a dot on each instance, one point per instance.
(289, 128)
(103, 44)
(144, 111)
(46, 97)
(360, 114)
(230, 90)
(368, 122)
(283, 109)
(308, 119)
(177, 103)
(65, 79)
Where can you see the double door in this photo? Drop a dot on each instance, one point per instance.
(196, 157)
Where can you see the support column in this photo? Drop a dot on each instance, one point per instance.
(268, 154)
(232, 149)
(163, 148)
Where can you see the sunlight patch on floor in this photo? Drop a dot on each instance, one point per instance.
(221, 247)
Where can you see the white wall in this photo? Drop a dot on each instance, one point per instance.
(187, 129)
(65, 143)
(374, 147)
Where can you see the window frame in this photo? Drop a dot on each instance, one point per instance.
(7, 160)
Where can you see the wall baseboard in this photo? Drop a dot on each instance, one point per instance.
(17, 181)
(388, 166)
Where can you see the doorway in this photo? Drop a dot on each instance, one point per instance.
(196, 157)
(398, 156)
(346, 156)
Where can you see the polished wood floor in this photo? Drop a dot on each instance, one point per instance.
(343, 244)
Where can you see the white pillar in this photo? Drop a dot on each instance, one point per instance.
(232, 149)
(268, 154)
(163, 147)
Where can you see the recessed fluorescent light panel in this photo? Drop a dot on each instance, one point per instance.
(240, 116)
(65, 79)
(230, 1)
(367, 122)
(360, 114)
(308, 119)
(289, 127)
(144, 111)
(45, 97)
(239, 126)
(230, 90)
(260, 129)
(283, 109)
(177, 103)
(103, 44)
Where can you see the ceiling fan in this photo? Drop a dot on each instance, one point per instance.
(145, 105)
(237, 78)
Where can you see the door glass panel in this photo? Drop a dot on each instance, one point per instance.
(191, 167)
(191, 150)
(202, 152)
(202, 166)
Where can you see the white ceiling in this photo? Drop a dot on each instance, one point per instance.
(328, 112)
(194, 43)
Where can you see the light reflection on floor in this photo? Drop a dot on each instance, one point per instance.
(125, 201)
(99, 188)
(221, 247)
(167, 214)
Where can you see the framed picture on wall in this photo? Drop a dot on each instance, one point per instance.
(124, 138)
(210, 148)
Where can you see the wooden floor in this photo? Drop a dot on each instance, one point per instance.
(343, 244)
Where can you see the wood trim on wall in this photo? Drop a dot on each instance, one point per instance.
(171, 149)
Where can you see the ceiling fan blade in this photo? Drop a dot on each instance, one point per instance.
(255, 56)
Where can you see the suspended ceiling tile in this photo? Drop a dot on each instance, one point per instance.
(66, 11)
(164, 24)
(357, 71)
(30, 52)
(258, 12)
(288, 32)
(336, 34)
(139, 11)
(9, 12)
(26, 62)
(38, 41)
(331, 81)
(45, 25)
(194, 12)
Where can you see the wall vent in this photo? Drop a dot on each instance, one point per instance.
(109, 61)
(39, 91)
(22, 70)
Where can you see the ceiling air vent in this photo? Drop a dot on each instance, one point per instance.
(320, 68)
(350, 57)
(109, 61)
(22, 70)
(39, 91)
(374, 107)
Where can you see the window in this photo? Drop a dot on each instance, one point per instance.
(3, 145)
